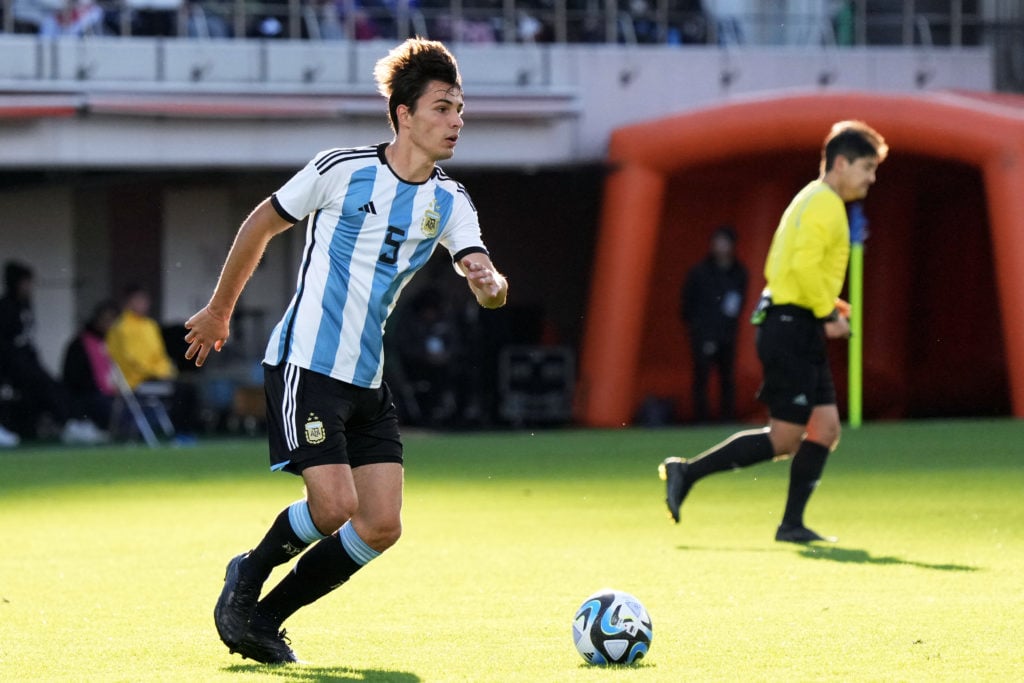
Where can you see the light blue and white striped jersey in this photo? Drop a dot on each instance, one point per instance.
(368, 233)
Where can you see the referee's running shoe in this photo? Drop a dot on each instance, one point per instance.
(673, 472)
(265, 645)
(795, 533)
(236, 604)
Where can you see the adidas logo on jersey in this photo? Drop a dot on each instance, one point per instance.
(800, 400)
(368, 208)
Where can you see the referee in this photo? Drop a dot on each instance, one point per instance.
(375, 215)
(799, 309)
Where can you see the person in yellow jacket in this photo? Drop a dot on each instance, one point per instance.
(136, 343)
(799, 310)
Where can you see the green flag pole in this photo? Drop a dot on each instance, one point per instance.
(856, 327)
(858, 233)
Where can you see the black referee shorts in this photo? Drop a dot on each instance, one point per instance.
(313, 419)
(791, 345)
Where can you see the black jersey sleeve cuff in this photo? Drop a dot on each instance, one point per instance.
(467, 251)
(280, 210)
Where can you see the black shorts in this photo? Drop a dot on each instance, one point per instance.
(313, 419)
(792, 347)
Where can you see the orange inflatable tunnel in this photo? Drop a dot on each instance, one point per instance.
(944, 261)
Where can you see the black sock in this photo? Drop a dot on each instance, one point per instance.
(739, 450)
(322, 569)
(804, 475)
(279, 545)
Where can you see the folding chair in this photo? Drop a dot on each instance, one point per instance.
(147, 396)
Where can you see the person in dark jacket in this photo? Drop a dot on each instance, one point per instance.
(21, 368)
(712, 299)
(88, 367)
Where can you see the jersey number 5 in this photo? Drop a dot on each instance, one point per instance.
(389, 254)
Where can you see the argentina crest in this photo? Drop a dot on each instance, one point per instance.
(431, 220)
(315, 432)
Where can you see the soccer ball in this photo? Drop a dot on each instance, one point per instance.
(612, 627)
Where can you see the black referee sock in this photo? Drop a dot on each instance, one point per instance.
(739, 450)
(279, 545)
(322, 569)
(804, 475)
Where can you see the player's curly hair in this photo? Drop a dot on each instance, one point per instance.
(853, 140)
(403, 74)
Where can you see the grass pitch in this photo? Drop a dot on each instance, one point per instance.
(112, 560)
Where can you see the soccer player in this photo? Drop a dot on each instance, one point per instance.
(799, 310)
(375, 215)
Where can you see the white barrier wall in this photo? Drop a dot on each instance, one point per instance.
(192, 103)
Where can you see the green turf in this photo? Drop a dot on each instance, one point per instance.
(112, 559)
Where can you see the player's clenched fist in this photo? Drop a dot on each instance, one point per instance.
(483, 277)
(489, 286)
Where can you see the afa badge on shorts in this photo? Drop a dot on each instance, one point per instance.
(315, 432)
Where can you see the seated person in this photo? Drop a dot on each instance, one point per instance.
(21, 369)
(136, 344)
(88, 366)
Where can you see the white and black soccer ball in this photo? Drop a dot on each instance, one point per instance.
(612, 627)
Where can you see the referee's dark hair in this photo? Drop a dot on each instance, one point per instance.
(852, 140)
(403, 74)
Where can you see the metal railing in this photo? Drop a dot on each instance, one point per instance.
(508, 21)
(928, 23)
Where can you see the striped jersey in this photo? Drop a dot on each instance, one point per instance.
(368, 233)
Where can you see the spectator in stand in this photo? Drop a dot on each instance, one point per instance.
(585, 22)
(21, 368)
(155, 17)
(79, 18)
(88, 367)
(36, 16)
(51, 18)
(644, 22)
(136, 345)
(202, 21)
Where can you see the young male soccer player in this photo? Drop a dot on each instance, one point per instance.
(799, 310)
(375, 216)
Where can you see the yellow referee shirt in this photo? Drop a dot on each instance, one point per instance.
(810, 251)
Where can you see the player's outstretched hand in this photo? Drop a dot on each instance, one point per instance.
(206, 332)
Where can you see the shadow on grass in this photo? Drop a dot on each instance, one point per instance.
(857, 556)
(324, 674)
(642, 664)
(837, 554)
